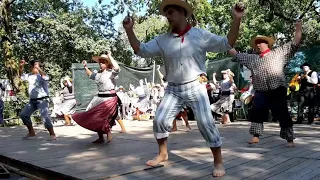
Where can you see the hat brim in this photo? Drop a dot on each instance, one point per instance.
(180, 3)
(265, 38)
(97, 59)
(305, 64)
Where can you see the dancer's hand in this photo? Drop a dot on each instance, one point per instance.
(84, 63)
(214, 74)
(128, 22)
(238, 10)
(22, 62)
(109, 53)
(158, 67)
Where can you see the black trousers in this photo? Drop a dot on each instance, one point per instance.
(307, 97)
(276, 101)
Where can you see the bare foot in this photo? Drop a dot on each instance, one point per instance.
(123, 131)
(52, 138)
(218, 170)
(188, 128)
(157, 160)
(174, 129)
(109, 138)
(99, 141)
(290, 144)
(29, 136)
(255, 140)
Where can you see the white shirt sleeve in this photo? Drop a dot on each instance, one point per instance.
(313, 79)
(24, 77)
(215, 43)
(149, 49)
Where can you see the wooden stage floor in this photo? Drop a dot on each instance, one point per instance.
(73, 156)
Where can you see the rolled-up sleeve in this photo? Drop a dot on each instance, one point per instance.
(93, 76)
(313, 79)
(215, 43)
(149, 49)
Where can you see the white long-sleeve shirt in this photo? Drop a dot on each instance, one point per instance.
(313, 79)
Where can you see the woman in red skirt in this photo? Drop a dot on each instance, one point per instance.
(102, 111)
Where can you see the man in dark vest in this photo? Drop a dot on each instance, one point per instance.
(308, 82)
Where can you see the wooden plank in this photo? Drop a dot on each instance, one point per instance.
(312, 171)
(286, 174)
(179, 168)
(277, 169)
(207, 171)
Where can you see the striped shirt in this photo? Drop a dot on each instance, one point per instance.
(268, 71)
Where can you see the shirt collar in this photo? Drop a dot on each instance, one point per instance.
(264, 53)
(183, 32)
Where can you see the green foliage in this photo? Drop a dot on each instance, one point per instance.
(272, 18)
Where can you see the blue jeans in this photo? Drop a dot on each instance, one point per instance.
(31, 107)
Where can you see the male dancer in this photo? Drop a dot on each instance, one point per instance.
(308, 82)
(270, 84)
(39, 98)
(184, 51)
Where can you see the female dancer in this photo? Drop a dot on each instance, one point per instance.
(102, 111)
(69, 103)
(224, 105)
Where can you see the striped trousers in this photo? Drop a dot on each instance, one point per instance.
(195, 96)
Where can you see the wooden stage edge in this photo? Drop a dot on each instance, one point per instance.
(74, 157)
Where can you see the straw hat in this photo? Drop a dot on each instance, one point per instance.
(228, 71)
(103, 56)
(181, 3)
(270, 41)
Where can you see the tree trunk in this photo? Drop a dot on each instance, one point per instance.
(10, 63)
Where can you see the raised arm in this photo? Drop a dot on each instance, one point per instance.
(88, 72)
(298, 33)
(237, 14)
(115, 65)
(214, 80)
(145, 50)
(128, 23)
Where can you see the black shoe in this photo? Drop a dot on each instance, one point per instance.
(298, 122)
